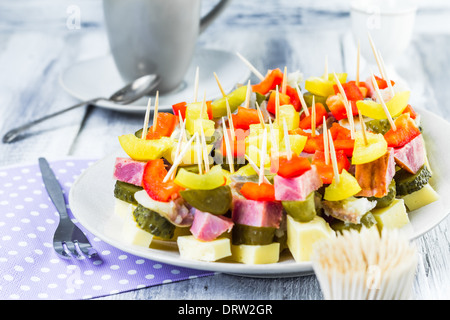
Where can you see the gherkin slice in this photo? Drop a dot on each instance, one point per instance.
(302, 211)
(216, 201)
(153, 222)
(378, 126)
(407, 183)
(367, 220)
(251, 235)
(387, 199)
(308, 96)
(125, 191)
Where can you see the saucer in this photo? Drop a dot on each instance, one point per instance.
(99, 77)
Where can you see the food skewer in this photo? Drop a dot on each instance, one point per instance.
(228, 146)
(220, 85)
(363, 128)
(199, 154)
(277, 106)
(147, 116)
(313, 117)
(325, 142)
(155, 112)
(202, 136)
(273, 140)
(230, 121)
(251, 67)
(333, 157)
(181, 137)
(263, 157)
(302, 100)
(284, 83)
(383, 104)
(287, 142)
(196, 84)
(348, 107)
(380, 63)
(255, 167)
(179, 157)
(388, 80)
(248, 95)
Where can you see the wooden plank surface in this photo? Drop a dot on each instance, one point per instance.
(35, 47)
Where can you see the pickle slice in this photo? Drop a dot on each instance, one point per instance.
(216, 201)
(407, 183)
(301, 211)
(153, 222)
(367, 220)
(125, 191)
(378, 126)
(308, 96)
(250, 235)
(387, 199)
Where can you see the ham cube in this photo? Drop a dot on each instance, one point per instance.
(374, 177)
(298, 188)
(411, 156)
(129, 171)
(257, 213)
(207, 226)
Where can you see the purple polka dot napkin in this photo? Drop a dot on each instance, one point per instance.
(29, 267)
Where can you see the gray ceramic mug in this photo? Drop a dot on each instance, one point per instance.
(155, 36)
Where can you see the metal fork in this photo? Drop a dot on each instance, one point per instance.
(68, 240)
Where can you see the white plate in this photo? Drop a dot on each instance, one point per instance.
(92, 203)
(99, 78)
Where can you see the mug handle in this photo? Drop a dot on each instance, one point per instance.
(213, 14)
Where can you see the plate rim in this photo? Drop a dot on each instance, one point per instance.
(279, 270)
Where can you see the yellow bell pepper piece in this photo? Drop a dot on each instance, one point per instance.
(324, 87)
(297, 143)
(376, 147)
(194, 112)
(375, 110)
(292, 117)
(235, 99)
(144, 150)
(348, 186)
(207, 181)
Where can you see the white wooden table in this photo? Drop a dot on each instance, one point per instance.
(36, 45)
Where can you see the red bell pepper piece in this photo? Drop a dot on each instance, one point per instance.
(337, 107)
(406, 130)
(382, 84)
(345, 145)
(294, 167)
(154, 173)
(274, 78)
(339, 132)
(294, 98)
(180, 107)
(326, 170)
(167, 123)
(244, 118)
(411, 112)
(271, 105)
(305, 121)
(352, 91)
(258, 192)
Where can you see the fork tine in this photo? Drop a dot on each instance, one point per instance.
(86, 249)
(61, 250)
(72, 249)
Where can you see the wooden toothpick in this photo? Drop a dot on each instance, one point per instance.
(204, 148)
(198, 148)
(348, 107)
(220, 86)
(383, 104)
(178, 159)
(287, 142)
(273, 140)
(302, 100)
(181, 138)
(146, 119)
(363, 129)
(375, 53)
(333, 157)
(155, 112)
(284, 83)
(260, 115)
(277, 106)
(251, 67)
(196, 84)
(228, 146)
(230, 121)
(263, 157)
(387, 79)
(325, 142)
(248, 95)
(255, 167)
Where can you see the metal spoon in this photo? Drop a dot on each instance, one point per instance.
(128, 94)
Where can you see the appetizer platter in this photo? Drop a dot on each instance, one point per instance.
(249, 182)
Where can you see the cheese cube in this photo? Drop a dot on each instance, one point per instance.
(256, 254)
(301, 236)
(292, 117)
(392, 216)
(193, 249)
(133, 234)
(123, 209)
(420, 198)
